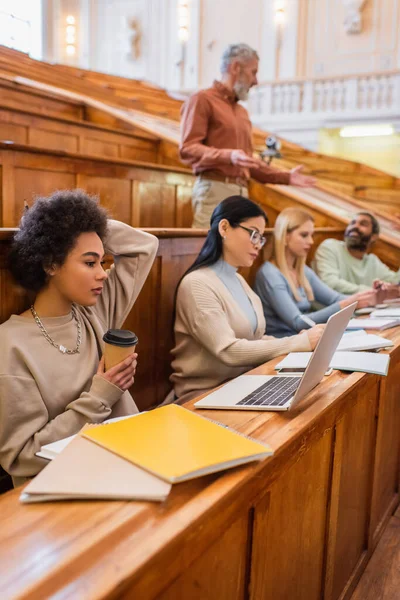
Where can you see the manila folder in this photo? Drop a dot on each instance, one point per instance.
(85, 470)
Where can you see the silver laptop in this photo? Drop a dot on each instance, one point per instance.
(281, 392)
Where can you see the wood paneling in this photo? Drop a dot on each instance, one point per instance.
(115, 194)
(13, 133)
(50, 140)
(149, 197)
(386, 477)
(289, 529)
(152, 318)
(33, 129)
(29, 183)
(351, 488)
(16, 96)
(157, 204)
(97, 147)
(217, 574)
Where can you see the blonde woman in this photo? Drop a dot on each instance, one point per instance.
(288, 287)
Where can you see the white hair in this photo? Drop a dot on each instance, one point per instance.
(240, 52)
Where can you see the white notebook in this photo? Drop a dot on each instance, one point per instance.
(50, 451)
(86, 471)
(367, 341)
(371, 323)
(365, 362)
(386, 313)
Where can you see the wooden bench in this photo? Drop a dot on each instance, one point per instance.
(137, 193)
(301, 525)
(12, 62)
(50, 133)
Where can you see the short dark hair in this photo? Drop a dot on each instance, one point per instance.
(374, 221)
(48, 232)
(236, 210)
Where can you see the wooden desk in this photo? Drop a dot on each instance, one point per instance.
(298, 526)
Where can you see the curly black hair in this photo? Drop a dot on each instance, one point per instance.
(48, 232)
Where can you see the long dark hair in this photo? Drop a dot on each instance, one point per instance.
(236, 210)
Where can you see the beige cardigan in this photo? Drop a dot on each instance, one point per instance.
(45, 395)
(214, 339)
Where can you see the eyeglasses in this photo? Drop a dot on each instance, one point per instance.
(255, 237)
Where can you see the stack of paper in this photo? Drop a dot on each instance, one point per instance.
(392, 312)
(365, 362)
(379, 324)
(139, 457)
(361, 340)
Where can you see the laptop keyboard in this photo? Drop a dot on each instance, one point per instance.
(275, 392)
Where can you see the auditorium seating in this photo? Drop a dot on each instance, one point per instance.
(135, 192)
(334, 175)
(140, 194)
(301, 524)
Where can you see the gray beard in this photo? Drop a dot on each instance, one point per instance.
(241, 91)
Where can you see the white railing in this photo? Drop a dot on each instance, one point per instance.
(371, 94)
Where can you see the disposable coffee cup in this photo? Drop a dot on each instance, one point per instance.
(118, 345)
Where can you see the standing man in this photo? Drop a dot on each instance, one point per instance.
(216, 138)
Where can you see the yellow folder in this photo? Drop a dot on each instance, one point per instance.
(176, 444)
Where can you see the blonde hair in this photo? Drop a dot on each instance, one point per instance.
(287, 221)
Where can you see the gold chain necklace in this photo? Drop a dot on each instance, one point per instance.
(59, 347)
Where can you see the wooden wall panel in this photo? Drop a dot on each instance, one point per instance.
(52, 140)
(12, 299)
(386, 475)
(140, 196)
(75, 136)
(154, 204)
(135, 152)
(97, 147)
(351, 489)
(13, 96)
(218, 574)
(184, 211)
(152, 319)
(115, 194)
(289, 529)
(36, 182)
(13, 133)
(144, 320)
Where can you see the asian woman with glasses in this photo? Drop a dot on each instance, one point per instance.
(219, 323)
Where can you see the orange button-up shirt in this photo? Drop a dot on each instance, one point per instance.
(213, 124)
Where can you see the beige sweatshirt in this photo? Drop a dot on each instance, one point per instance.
(214, 339)
(45, 395)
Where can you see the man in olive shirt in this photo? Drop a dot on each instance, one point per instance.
(346, 266)
(216, 138)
